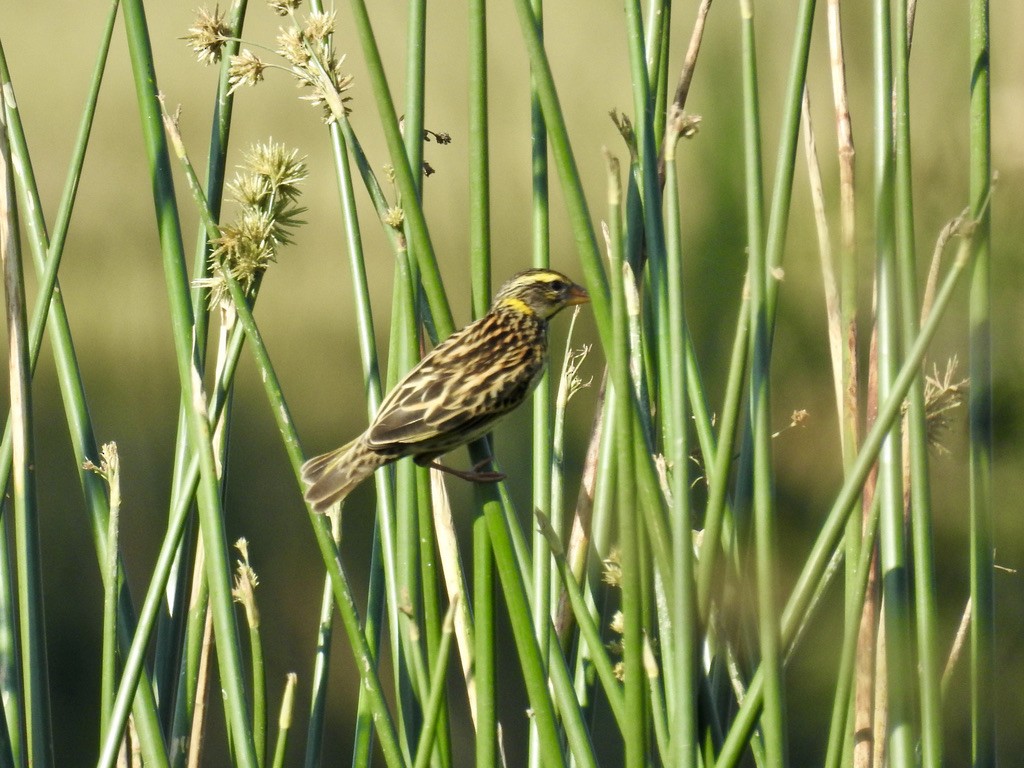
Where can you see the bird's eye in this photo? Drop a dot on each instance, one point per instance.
(558, 286)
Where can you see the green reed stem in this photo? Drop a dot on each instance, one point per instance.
(892, 549)
(169, 630)
(479, 161)
(542, 467)
(652, 502)
(845, 674)
(433, 622)
(773, 714)
(383, 581)
(321, 528)
(483, 653)
(47, 258)
(284, 720)
(925, 611)
(210, 513)
(409, 669)
(634, 733)
(321, 664)
(717, 468)
(785, 163)
(415, 66)
(649, 186)
(420, 244)
(682, 702)
(111, 585)
(589, 630)
(11, 728)
(831, 531)
(435, 699)
(982, 524)
(35, 697)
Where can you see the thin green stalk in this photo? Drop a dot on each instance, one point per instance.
(778, 219)
(479, 160)
(634, 733)
(424, 586)
(432, 620)
(982, 524)
(111, 578)
(659, 75)
(210, 513)
(841, 709)
(831, 531)
(542, 468)
(659, 716)
(47, 258)
(649, 185)
(321, 528)
(925, 611)
(259, 681)
(194, 658)
(284, 720)
(435, 698)
(415, 66)
(516, 583)
(382, 559)
(785, 163)
(321, 665)
(479, 233)
(717, 469)
(410, 669)
(592, 265)
(420, 244)
(410, 672)
(37, 739)
(900, 734)
(170, 629)
(586, 242)
(773, 715)
(588, 629)
(10, 657)
(682, 610)
(483, 655)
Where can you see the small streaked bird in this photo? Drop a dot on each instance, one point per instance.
(457, 391)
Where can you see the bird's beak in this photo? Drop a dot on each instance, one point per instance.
(577, 295)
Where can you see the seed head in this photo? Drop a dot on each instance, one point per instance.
(207, 35)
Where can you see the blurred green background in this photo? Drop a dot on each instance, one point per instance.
(113, 286)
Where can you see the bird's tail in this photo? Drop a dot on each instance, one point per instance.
(329, 478)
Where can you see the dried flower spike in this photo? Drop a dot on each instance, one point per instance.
(319, 26)
(245, 69)
(283, 7)
(266, 191)
(207, 35)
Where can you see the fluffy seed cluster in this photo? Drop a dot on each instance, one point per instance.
(266, 190)
(207, 35)
(305, 46)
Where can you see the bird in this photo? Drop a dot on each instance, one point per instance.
(456, 392)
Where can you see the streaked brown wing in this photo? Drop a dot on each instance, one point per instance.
(445, 395)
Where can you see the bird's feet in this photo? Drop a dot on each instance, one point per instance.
(475, 475)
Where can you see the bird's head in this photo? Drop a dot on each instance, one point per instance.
(539, 292)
